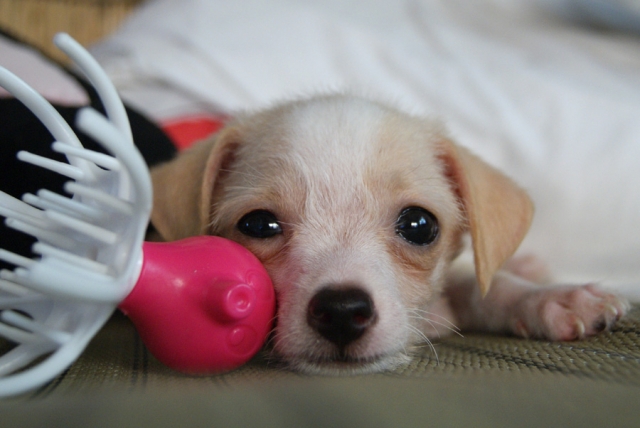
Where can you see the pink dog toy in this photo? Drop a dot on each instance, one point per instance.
(201, 305)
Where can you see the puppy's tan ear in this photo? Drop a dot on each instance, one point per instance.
(183, 187)
(498, 212)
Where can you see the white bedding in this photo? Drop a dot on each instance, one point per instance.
(553, 104)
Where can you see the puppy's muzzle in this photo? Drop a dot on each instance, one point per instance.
(341, 315)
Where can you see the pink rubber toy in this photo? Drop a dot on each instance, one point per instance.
(201, 305)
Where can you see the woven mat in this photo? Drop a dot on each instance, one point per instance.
(613, 356)
(478, 381)
(117, 359)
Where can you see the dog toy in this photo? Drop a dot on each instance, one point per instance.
(200, 305)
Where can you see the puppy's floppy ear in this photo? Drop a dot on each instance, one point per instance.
(183, 187)
(498, 212)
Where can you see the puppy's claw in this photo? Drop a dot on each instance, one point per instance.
(521, 329)
(580, 329)
(613, 311)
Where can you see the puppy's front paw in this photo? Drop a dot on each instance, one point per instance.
(567, 313)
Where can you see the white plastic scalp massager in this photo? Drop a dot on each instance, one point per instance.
(92, 258)
(90, 244)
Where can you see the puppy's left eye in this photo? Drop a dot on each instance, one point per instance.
(259, 224)
(417, 226)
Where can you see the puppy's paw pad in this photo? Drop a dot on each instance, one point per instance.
(570, 313)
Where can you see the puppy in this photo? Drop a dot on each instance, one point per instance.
(358, 212)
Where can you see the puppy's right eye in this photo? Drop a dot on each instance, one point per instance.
(259, 224)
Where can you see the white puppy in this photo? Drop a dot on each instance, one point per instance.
(358, 211)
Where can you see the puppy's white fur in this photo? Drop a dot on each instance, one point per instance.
(336, 171)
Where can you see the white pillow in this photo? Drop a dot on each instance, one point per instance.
(555, 105)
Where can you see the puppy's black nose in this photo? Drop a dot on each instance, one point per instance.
(341, 315)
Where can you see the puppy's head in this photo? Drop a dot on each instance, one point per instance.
(355, 209)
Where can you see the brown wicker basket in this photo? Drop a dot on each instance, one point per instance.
(36, 21)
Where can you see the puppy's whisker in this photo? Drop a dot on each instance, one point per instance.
(427, 341)
(279, 336)
(272, 359)
(433, 324)
(404, 348)
(421, 318)
(270, 335)
(431, 314)
(269, 343)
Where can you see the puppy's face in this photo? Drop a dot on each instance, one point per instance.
(355, 211)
